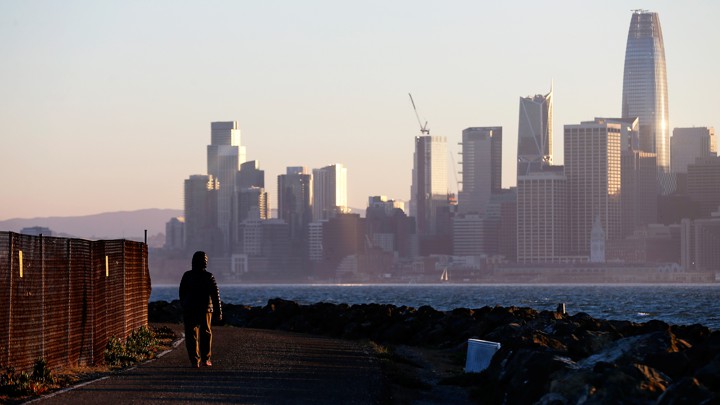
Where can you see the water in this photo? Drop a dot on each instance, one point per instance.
(675, 304)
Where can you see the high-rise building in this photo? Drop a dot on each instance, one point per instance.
(688, 144)
(703, 184)
(250, 175)
(592, 168)
(468, 235)
(225, 154)
(329, 191)
(699, 246)
(481, 167)
(175, 234)
(429, 190)
(542, 235)
(645, 88)
(389, 227)
(295, 200)
(201, 225)
(638, 177)
(535, 133)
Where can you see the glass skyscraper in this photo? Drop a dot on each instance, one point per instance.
(645, 86)
(535, 133)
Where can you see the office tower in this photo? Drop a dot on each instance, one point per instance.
(592, 168)
(295, 200)
(175, 234)
(429, 189)
(703, 184)
(388, 226)
(250, 175)
(225, 154)
(252, 204)
(481, 167)
(688, 144)
(315, 241)
(201, 225)
(699, 243)
(638, 177)
(645, 87)
(329, 191)
(468, 235)
(542, 235)
(535, 133)
(639, 190)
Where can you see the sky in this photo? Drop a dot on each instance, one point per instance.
(106, 106)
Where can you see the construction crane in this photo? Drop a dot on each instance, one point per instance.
(423, 128)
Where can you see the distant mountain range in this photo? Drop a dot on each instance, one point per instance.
(109, 225)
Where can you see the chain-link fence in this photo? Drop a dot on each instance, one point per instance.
(62, 299)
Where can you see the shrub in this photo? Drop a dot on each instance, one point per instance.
(142, 344)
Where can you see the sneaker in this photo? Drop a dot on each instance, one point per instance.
(208, 363)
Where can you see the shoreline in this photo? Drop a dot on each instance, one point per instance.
(545, 356)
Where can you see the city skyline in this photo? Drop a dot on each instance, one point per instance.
(96, 116)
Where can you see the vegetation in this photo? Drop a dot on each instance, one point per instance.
(142, 344)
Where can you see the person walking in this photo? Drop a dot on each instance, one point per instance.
(200, 299)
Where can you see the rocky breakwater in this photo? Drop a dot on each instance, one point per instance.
(546, 357)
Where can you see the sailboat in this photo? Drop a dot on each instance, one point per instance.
(444, 277)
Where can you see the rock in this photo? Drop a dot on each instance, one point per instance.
(688, 391)
(548, 357)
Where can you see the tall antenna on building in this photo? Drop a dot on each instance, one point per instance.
(423, 128)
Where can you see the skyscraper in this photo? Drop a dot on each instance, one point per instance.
(645, 87)
(535, 133)
(201, 230)
(592, 168)
(295, 200)
(429, 190)
(542, 235)
(481, 167)
(225, 154)
(329, 191)
(688, 144)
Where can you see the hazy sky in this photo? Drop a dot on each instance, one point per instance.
(106, 106)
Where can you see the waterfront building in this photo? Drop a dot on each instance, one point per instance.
(535, 133)
(689, 144)
(645, 92)
(225, 154)
(592, 168)
(542, 235)
(481, 167)
(329, 192)
(700, 240)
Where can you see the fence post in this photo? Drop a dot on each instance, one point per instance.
(42, 300)
(11, 284)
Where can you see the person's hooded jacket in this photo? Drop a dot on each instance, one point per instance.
(198, 289)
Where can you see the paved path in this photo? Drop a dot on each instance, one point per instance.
(250, 366)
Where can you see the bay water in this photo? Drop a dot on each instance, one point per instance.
(681, 304)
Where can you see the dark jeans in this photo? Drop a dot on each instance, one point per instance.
(198, 336)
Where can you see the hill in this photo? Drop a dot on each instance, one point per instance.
(108, 225)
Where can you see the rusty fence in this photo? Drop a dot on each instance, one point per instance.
(63, 299)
